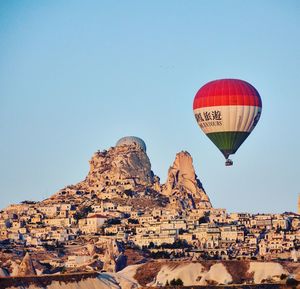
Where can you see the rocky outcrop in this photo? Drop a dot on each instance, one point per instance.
(122, 167)
(123, 175)
(158, 273)
(183, 187)
(26, 267)
(114, 258)
(91, 248)
(64, 281)
(3, 272)
(203, 273)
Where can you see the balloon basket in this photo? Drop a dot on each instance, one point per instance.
(228, 163)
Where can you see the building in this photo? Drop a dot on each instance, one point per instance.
(92, 223)
(77, 261)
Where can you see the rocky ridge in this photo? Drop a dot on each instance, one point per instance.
(158, 274)
(183, 187)
(124, 166)
(26, 267)
(123, 174)
(114, 258)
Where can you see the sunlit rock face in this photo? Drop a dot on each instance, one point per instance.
(125, 165)
(182, 186)
(123, 174)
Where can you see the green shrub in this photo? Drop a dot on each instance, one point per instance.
(177, 282)
(283, 276)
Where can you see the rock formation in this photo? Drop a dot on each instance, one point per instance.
(123, 175)
(26, 267)
(183, 187)
(114, 258)
(91, 248)
(122, 167)
(3, 272)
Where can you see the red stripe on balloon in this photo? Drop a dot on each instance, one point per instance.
(224, 92)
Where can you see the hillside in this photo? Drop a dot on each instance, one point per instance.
(123, 175)
(157, 274)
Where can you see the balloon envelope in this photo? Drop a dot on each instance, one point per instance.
(129, 140)
(227, 110)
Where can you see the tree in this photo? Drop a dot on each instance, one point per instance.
(203, 219)
(83, 213)
(128, 193)
(283, 276)
(113, 222)
(160, 255)
(151, 245)
(133, 221)
(177, 282)
(28, 202)
(179, 244)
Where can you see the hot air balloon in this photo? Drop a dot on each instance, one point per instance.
(227, 110)
(129, 140)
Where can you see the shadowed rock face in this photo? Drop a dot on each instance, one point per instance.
(183, 185)
(126, 165)
(114, 258)
(26, 267)
(3, 272)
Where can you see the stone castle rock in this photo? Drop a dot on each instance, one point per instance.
(183, 187)
(122, 167)
(123, 175)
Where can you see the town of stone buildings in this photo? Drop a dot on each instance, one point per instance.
(121, 214)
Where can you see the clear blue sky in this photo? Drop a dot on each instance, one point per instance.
(75, 76)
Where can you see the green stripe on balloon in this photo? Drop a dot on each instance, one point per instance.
(228, 142)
